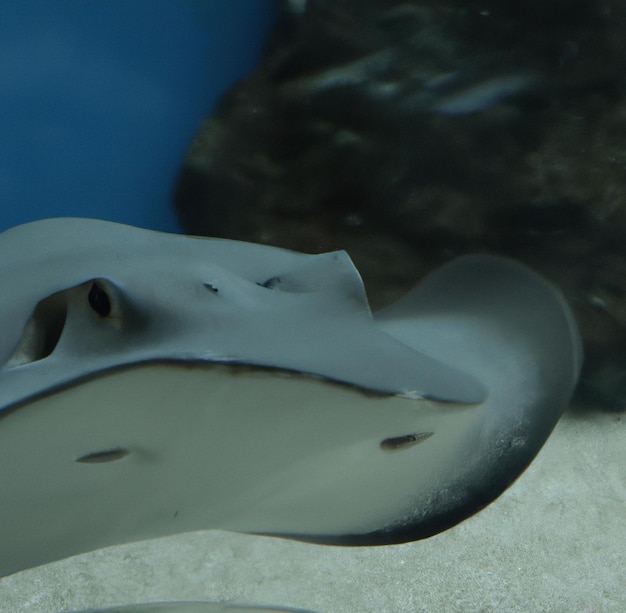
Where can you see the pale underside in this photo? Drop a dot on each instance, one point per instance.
(254, 450)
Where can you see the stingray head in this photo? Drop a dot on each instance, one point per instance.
(82, 296)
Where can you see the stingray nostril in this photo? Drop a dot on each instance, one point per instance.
(101, 457)
(99, 300)
(271, 283)
(402, 442)
(211, 288)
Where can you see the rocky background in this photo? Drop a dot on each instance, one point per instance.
(410, 132)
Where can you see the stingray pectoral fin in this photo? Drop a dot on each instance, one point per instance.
(502, 323)
(512, 330)
(492, 299)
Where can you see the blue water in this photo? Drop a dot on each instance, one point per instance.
(100, 99)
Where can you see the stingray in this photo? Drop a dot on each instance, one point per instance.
(152, 384)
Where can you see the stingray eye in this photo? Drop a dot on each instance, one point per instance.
(99, 300)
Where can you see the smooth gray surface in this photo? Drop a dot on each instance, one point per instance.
(555, 541)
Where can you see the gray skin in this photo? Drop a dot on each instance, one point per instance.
(152, 384)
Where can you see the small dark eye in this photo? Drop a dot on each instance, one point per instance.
(99, 301)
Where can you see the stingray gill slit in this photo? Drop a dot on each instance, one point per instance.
(101, 457)
(396, 443)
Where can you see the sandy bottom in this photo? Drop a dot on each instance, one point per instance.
(555, 541)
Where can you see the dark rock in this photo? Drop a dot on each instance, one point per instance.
(410, 132)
